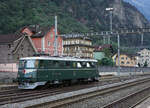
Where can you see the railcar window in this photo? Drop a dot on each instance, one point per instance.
(56, 63)
(68, 63)
(49, 64)
(22, 64)
(74, 64)
(93, 64)
(83, 64)
(62, 63)
(79, 65)
(41, 64)
(31, 64)
(36, 63)
(88, 65)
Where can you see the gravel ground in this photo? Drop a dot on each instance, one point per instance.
(89, 103)
(100, 101)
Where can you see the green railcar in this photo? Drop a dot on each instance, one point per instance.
(35, 71)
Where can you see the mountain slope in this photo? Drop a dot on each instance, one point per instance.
(73, 15)
(142, 5)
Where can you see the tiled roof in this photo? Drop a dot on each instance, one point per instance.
(38, 31)
(127, 54)
(101, 47)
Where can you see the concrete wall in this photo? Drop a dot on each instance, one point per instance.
(103, 70)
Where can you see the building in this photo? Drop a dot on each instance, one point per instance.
(43, 38)
(126, 60)
(144, 57)
(13, 47)
(99, 51)
(78, 46)
(98, 55)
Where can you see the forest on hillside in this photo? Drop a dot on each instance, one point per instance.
(74, 16)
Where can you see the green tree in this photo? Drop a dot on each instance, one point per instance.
(107, 52)
(145, 64)
(106, 62)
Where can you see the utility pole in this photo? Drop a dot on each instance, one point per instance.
(56, 36)
(118, 37)
(142, 39)
(111, 12)
(104, 42)
(110, 16)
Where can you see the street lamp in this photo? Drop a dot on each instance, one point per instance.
(110, 15)
(118, 37)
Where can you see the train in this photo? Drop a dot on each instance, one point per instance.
(37, 71)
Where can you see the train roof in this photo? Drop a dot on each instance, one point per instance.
(58, 58)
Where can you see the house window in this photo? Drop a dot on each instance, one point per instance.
(128, 62)
(79, 65)
(77, 41)
(122, 62)
(88, 65)
(122, 58)
(51, 35)
(49, 43)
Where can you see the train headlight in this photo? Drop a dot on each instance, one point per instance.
(24, 71)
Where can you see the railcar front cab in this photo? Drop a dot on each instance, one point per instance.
(27, 74)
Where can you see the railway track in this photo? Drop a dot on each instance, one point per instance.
(15, 96)
(81, 97)
(130, 101)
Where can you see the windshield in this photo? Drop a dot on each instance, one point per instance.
(28, 64)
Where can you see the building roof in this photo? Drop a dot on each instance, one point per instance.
(101, 47)
(9, 38)
(75, 36)
(79, 45)
(37, 30)
(127, 54)
(148, 49)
